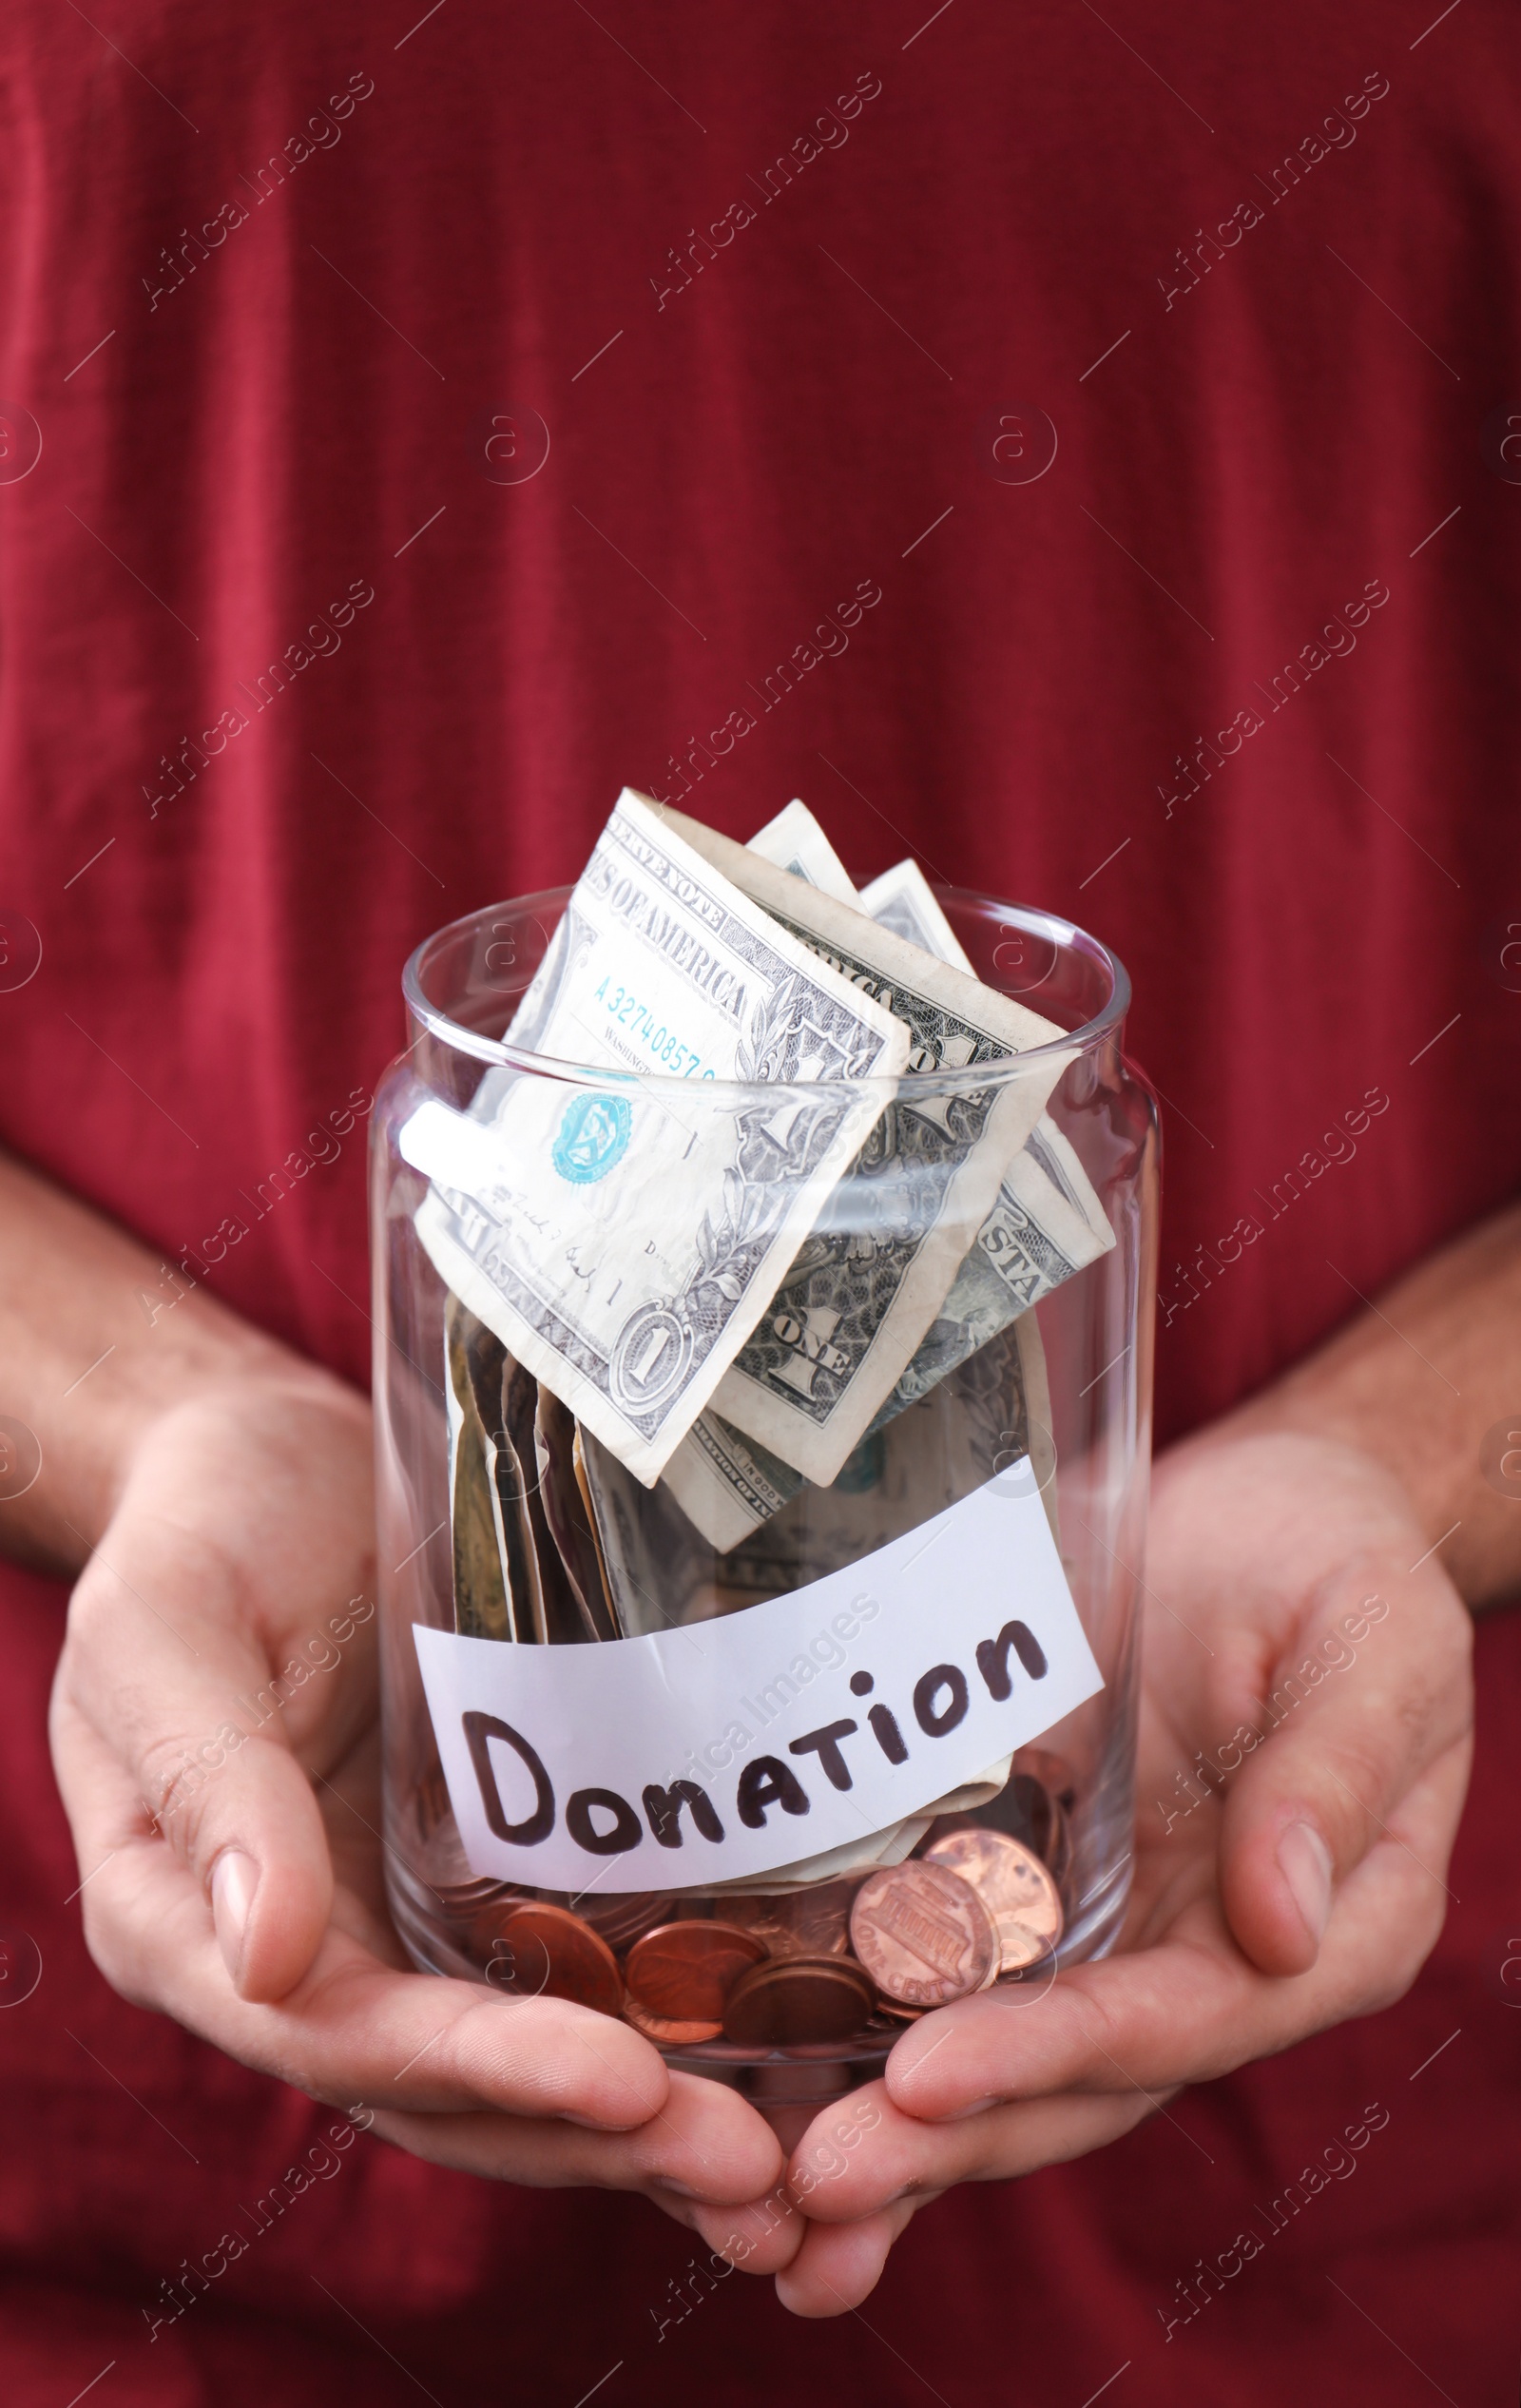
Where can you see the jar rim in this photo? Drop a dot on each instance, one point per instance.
(1049, 926)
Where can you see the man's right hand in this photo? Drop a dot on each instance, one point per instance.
(238, 1887)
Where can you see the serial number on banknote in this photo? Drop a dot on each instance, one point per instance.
(626, 1009)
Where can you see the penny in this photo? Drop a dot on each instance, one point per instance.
(436, 1859)
(798, 1923)
(487, 1915)
(464, 1900)
(795, 1999)
(924, 1934)
(546, 1952)
(621, 1921)
(666, 2031)
(687, 1970)
(1014, 1885)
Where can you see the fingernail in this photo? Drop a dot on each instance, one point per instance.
(233, 1884)
(683, 2190)
(1304, 1861)
(978, 2106)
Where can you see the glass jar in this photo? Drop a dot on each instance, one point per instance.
(511, 1541)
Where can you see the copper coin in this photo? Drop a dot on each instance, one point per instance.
(924, 1934)
(799, 1922)
(488, 1916)
(666, 2031)
(546, 1952)
(1014, 1885)
(794, 1999)
(462, 1900)
(897, 2011)
(621, 1921)
(687, 1970)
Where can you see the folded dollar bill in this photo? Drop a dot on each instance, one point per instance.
(622, 1245)
(483, 1608)
(1045, 1225)
(796, 842)
(903, 900)
(726, 1483)
(829, 1348)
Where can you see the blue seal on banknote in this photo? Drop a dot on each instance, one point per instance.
(593, 1136)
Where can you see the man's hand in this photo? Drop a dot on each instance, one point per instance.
(1301, 1883)
(238, 1887)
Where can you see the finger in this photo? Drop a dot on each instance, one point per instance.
(768, 2233)
(839, 2265)
(760, 2235)
(252, 1838)
(351, 2028)
(234, 1805)
(202, 1647)
(905, 2159)
(706, 2151)
(1341, 1749)
(1192, 2006)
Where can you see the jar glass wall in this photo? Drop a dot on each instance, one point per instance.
(503, 1520)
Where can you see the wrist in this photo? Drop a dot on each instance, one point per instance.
(100, 1340)
(1349, 1431)
(255, 1383)
(239, 1376)
(1424, 1382)
(1299, 1514)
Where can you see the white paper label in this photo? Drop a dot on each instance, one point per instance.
(725, 1749)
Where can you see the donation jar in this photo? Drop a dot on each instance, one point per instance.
(762, 1476)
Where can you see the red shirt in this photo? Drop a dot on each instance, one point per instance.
(443, 422)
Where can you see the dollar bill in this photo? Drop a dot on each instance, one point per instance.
(481, 1604)
(726, 1483)
(1030, 1241)
(622, 1240)
(830, 1346)
(1048, 1222)
(658, 1569)
(570, 1529)
(1045, 1223)
(499, 1587)
(578, 1445)
(795, 841)
(974, 1425)
(903, 900)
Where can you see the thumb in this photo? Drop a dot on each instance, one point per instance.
(254, 1837)
(1345, 1732)
(167, 1698)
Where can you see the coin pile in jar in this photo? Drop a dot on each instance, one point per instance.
(973, 1905)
